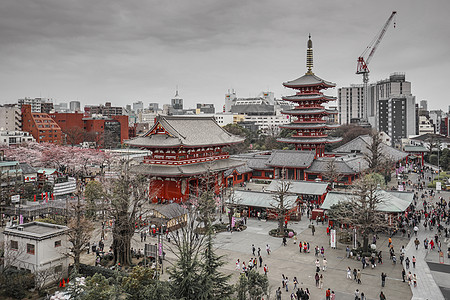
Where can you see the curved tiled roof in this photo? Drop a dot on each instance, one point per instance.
(307, 126)
(186, 170)
(308, 80)
(309, 111)
(361, 144)
(309, 140)
(309, 97)
(185, 131)
(291, 158)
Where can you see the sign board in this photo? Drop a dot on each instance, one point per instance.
(333, 238)
(15, 199)
(401, 188)
(150, 250)
(438, 186)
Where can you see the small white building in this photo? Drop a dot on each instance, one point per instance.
(40, 248)
(15, 138)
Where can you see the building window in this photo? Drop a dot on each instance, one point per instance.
(58, 243)
(14, 245)
(58, 269)
(30, 249)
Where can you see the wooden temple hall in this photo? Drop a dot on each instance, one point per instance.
(187, 156)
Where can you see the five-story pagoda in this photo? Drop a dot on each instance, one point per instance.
(308, 114)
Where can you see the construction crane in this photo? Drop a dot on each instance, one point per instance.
(364, 60)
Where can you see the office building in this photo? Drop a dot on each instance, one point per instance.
(75, 106)
(10, 117)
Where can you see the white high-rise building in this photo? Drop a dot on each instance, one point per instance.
(75, 106)
(10, 117)
(36, 103)
(138, 106)
(390, 106)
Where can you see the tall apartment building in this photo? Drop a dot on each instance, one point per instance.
(105, 110)
(75, 106)
(390, 106)
(38, 104)
(10, 117)
(41, 126)
(138, 106)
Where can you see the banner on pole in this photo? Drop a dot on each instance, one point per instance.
(333, 238)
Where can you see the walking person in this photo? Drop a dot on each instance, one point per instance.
(403, 275)
(320, 281)
(382, 296)
(268, 249)
(266, 269)
(286, 281)
(317, 278)
(383, 279)
(295, 281)
(317, 265)
(328, 294)
(358, 276)
(407, 263)
(324, 264)
(414, 262)
(278, 293)
(415, 280)
(253, 249)
(349, 273)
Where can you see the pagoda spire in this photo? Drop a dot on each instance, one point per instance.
(309, 57)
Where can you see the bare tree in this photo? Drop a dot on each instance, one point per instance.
(126, 196)
(282, 204)
(80, 231)
(375, 156)
(47, 276)
(232, 204)
(332, 172)
(74, 135)
(361, 211)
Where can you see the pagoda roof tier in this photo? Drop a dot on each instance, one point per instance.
(309, 126)
(186, 170)
(187, 131)
(309, 97)
(307, 111)
(309, 140)
(309, 80)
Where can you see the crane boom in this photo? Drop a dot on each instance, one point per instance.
(362, 66)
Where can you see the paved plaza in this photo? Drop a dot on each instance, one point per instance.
(432, 275)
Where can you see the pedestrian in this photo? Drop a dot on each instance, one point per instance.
(403, 275)
(278, 293)
(324, 264)
(363, 297)
(268, 249)
(317, 265)
(390, 242)
(347, 250)
(320, 281)
(238, 265)
(259, 251)
(349, 273)
(383, 279)
(382, 296)
(328, 294)
(142, 236)
(284, 241)
(88, 247)
(358, 276)
(333, 295)
(253, 249)
(283, 280)
(317, 277)
(415, 280)
(266, 269)
(286, 281)
(322, 251)
(295, 281)
(260, 261)
(416, 243)
(354, 274)
(407, 263)
(313, 229)
(414, 262)
(357, 295)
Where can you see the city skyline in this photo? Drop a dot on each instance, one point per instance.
(126, 52)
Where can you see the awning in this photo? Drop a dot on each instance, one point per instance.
(260, 199)
(301, 187)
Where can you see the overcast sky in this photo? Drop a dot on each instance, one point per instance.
(125, 51)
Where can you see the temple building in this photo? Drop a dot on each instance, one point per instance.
(309, 115)
(187, 156)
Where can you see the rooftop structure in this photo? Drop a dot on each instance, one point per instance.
(309, 115)
(41, 126)
(184, 149)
